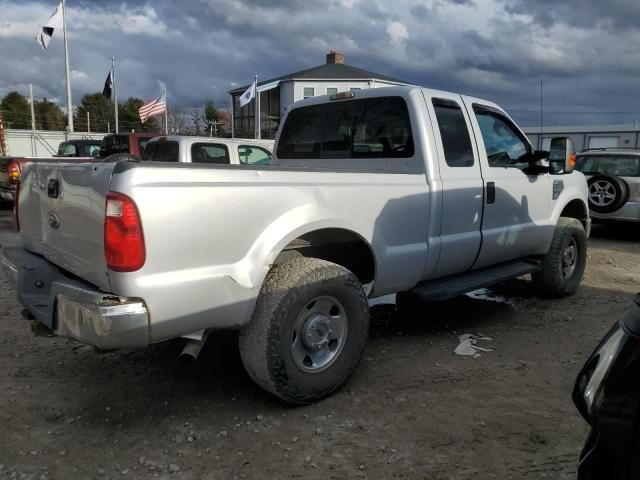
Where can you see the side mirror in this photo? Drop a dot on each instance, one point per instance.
(562, 155)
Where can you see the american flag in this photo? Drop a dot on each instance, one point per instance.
(153, 108)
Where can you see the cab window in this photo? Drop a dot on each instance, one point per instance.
(366, 128)
(161, 152)
(252, 155)
(505, 146)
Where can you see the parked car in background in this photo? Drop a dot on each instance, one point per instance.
(220, 151)
(398, 189)
(131, 143)
(613, 176)
(80, 148)
(607, 395)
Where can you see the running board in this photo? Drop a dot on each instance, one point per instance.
(441, 289)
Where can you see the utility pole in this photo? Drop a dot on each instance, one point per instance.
(33, 112)
(67, 71)
(88, 123)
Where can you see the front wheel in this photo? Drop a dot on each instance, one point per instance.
(564, 264)
(308, 330)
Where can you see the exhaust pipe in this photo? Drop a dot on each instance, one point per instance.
(192, 349)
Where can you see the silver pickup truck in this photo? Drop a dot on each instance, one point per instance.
(399, 189)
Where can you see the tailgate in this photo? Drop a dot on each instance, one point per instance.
(61, 208)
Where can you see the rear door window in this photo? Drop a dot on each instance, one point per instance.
(253, 155)
(365, 128)
(454, 133)
(209, 153)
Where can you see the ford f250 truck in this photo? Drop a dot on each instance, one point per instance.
(399, 189)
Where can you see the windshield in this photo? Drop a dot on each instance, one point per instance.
(620, 165)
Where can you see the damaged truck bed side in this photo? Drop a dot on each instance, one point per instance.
(398, 189)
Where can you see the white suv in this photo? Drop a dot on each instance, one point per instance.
(613, 176)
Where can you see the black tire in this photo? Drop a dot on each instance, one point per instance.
(615, 189)
(266, 343)
(556, 279)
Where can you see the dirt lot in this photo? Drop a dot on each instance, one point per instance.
(412, 409)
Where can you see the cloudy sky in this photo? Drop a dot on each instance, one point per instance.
(585, 51)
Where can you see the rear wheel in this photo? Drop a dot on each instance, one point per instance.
(308, 330)
(564, 264)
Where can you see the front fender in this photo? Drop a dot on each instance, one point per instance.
(574, 187)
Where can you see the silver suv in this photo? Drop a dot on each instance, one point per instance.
(613, 176)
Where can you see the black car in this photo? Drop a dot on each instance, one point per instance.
(607, 394)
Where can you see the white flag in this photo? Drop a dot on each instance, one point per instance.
(54, 23)
(249, 93)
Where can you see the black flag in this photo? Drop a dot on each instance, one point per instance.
(108, 84)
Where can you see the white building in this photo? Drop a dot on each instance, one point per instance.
(587, 136)
(277, 94)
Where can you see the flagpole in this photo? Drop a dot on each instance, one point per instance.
(66, 65)
(166, 114)
(115, 91)
(257, 100)
(233, 114)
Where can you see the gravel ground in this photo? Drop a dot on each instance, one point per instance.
(412, 409)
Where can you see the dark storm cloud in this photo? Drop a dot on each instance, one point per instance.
(498, 49)
(610, 14)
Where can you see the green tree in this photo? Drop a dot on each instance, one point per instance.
(129, 118)
(211, 113)
(101, 113)
(16, 111)
(49, 116)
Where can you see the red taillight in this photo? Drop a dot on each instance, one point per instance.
(14, 172)
(123, 239)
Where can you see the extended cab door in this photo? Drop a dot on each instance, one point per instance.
(462, 186)
(516, 221)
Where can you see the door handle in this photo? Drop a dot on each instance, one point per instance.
(53, 188)
(491, 192)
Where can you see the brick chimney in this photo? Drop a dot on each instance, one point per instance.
(335, 57)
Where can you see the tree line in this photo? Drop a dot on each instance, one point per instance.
(16, 113)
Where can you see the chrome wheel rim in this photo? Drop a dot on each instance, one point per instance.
(319, 334)
(569, 258)
(602, 193)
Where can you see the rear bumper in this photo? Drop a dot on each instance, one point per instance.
(72, 308)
